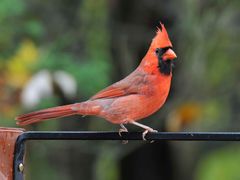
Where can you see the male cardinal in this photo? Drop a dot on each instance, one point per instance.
(137, 96)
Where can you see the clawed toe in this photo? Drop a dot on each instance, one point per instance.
(120, 134)
(144, 134)
(147, 131)
(121, 131)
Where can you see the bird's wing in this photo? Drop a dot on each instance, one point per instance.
(127, 86)
(109, 92)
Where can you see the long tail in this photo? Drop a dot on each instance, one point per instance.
(56, 112)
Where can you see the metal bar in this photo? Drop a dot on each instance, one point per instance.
(90, 135)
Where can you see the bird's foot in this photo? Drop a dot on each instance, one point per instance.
(123, 129)
(147, 131)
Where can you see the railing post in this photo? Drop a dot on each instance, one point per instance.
(8, 137)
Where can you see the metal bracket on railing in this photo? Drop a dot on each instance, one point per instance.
(89, 135)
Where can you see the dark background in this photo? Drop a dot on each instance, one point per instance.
(59, 52)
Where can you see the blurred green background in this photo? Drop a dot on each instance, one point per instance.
(58, 52)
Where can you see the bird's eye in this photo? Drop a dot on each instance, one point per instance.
(157, 51)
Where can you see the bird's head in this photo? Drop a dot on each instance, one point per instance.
(161, 50)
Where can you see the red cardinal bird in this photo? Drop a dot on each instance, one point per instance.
(137, 96)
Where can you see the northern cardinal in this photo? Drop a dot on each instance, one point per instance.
(137, 96)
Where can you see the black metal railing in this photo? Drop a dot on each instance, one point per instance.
(90, 135)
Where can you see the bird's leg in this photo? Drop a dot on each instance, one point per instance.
(147, 129)
(123, 129)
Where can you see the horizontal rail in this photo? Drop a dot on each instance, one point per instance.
(90, 135)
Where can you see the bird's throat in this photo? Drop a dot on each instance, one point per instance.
(165, 67)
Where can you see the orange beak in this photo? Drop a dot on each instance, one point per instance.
(169, 55)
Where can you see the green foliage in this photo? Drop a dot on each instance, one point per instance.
(107, 164)
(11, 8)
(80, 37)
(9, 15)
(86, 74)
(34, 28)
(7, 122)
(37, 166)
(220, 164)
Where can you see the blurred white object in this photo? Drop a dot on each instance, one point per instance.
(66, 83)
(40, 86)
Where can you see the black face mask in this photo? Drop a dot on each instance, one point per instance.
(164, 66)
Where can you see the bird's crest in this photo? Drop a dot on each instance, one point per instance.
(161, 40)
